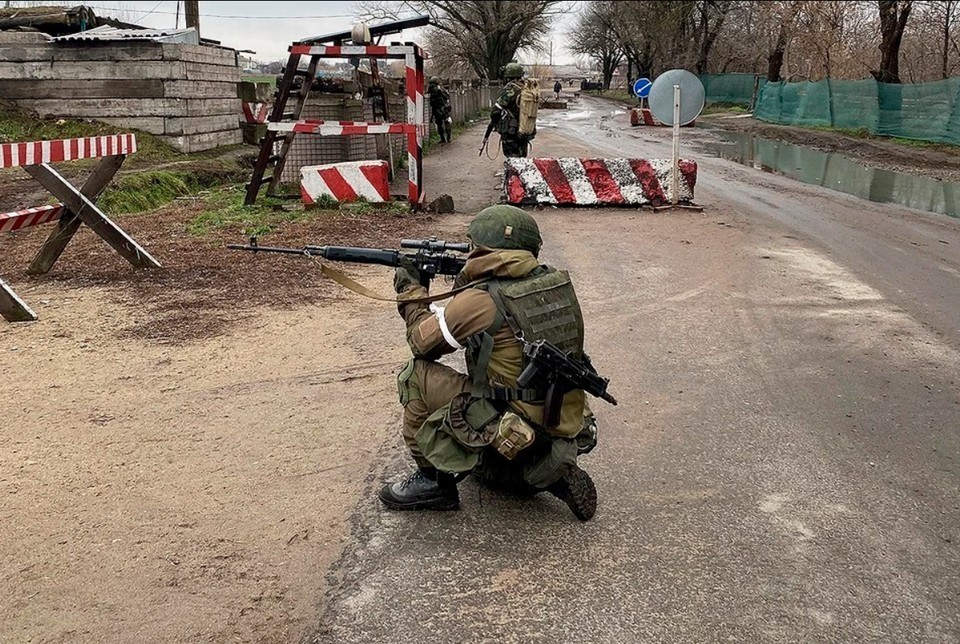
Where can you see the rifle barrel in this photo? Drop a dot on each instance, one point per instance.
(268, 249)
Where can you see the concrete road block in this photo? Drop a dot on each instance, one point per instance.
(595, 182)
(346, 181)
(643, 116)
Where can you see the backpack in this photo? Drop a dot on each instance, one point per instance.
(529, 103)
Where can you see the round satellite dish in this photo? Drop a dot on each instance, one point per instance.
(361, 34)
(691, 96)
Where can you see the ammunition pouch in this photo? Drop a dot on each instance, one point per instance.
(453, 436)
(508, 125)
(513, 435)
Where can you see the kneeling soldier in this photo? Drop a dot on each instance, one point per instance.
(485, 422)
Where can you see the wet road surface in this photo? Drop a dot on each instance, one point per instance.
(782, 466)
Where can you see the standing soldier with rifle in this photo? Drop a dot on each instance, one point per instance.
(440, 109)
(518, 418)
(514, 114)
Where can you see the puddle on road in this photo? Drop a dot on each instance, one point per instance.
(576, 115)
(838, 172)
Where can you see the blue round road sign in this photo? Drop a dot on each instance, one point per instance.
(641, 87)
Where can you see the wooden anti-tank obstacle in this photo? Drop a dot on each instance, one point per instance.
(78, 206)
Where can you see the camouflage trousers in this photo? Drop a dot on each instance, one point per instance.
(426, 387)
(444, 129)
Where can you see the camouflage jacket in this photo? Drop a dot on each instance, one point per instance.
(439, 102)
(433, 332)
(506, 111)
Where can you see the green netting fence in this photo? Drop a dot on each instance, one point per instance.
(731, 88)
(921, 111)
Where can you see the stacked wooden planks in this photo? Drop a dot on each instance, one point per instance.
(185, 94)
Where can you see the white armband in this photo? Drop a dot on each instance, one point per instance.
(444, 329)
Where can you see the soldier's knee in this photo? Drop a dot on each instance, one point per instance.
(408, 383)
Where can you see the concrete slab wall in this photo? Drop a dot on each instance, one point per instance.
(184, 94)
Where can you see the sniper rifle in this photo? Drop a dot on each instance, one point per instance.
(432, 257)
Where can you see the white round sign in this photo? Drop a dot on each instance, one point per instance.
(692, 96)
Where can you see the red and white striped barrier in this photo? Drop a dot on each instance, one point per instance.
(595, 182)
(13, 155)
(255, 112)
(346, 181)
(359, 51)
(78, 202)
(643, 116)
(10, 221)
(341, 128)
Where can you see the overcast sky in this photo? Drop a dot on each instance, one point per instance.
(268, 28)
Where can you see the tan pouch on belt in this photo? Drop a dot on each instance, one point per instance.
(513, 435)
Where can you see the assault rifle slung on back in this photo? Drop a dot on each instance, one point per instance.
(559, 373)
(432, 257)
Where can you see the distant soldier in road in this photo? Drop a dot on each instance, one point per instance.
(556, 89)
(507, 117)
(440, 109)
(484, 422)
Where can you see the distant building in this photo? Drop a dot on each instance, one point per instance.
(563, 73)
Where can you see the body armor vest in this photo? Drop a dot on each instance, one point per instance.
(540, 306)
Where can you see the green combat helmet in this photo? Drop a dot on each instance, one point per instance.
(505, 226)
(513, 69)
(434, 80)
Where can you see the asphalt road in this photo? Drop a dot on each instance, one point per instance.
(783, 463)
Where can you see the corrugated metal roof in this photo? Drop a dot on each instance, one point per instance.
(107, 33)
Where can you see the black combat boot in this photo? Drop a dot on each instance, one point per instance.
(425, 489)
(576, 489)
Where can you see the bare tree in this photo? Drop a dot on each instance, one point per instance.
(661, 34)
(593, 37)
(783, 39)
(712, 14)
(482, 36)
(893, 21)
(949, 18)
(933, 35)
(784, 16)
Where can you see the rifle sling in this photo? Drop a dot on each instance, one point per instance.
(358, 288)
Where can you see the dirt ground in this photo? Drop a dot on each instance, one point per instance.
(184, 446)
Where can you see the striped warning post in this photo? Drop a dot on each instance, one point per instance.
(595, 182)
(14, 155)
(10, 221)
(414, 86)
(346, 181)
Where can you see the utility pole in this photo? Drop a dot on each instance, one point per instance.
(551, 53)
(192, 12)
(176, 21)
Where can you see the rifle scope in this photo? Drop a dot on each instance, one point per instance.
(434, 245)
